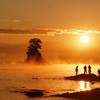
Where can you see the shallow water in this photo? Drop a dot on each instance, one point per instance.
(48, 78)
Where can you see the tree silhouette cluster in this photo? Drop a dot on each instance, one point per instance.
(33, 54)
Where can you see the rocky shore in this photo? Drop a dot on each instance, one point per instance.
(84, 77)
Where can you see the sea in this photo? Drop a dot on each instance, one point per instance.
(50, 78)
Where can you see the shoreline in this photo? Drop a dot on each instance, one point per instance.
(93, 94)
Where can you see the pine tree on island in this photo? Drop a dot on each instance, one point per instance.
(33, 54)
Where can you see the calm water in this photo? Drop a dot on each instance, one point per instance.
(50, 78)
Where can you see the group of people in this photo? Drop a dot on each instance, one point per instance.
(85, 69)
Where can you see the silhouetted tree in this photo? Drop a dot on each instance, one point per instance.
(33, 54)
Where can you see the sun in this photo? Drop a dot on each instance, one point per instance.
(84, 39)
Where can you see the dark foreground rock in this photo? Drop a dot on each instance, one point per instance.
(83, 95)
(85, 77)
(32, 93)
(35, 93)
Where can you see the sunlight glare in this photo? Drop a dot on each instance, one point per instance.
(84, 86)
(84, 39)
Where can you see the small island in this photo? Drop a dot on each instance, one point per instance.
(33, 54)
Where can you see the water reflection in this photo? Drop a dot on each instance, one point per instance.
(83, 86)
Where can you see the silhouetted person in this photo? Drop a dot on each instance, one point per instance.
(85, 69)
(89, 69)
(76, 70)
(99, 72)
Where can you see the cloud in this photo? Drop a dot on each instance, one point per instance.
(30, 31)
(14, 21)
(46, 31)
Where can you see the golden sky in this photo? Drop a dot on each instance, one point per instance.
(63, 48)
(58, 23)
(73, 14)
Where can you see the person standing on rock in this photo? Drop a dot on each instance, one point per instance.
(99, 72)
(89, 69)
(76, 70)
(85, 69)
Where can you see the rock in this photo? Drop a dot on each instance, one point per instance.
(85, 77)
(35, 78)
(16, 91)
(33, 93)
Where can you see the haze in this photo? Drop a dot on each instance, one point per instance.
(58, 23)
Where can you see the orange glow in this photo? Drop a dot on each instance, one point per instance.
(84, 39)
(84, 86)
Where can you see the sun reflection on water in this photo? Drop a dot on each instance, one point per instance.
(83, 86)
